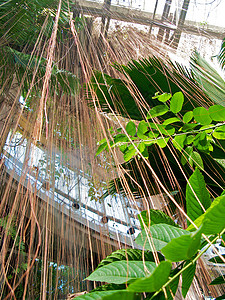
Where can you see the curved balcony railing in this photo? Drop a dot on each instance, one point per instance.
(112, 217)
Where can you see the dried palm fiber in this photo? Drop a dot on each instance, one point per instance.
(48, 162)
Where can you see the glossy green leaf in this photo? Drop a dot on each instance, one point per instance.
(207, 128)
(142, 129)
(131, 128)
(171, 289)
(156, 217)
(165, 130)
(201, 142)
(163, 98)
(153, 135)
(171, 121)
(160, 235)
(179, 142)
(109, 295)
(123, 148)
(219, 133)
(186, 155)
(120, 138)
(194, 192)
(187, 277)
(162, 142)
(218, 280)
(157, 111)
(121, 271)
(141, 147)
(201, 116)
(176, 103)
(195, 159)
(130, 255)
(188, 117)
(153, 282)
(188, 127)
(213, 219)
(183, 247)
(130, 152)
(101, 148)
(217, 113)
(189, 139)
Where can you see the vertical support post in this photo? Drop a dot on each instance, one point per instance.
(153, 17)
(165, 15)
(177, 33)
(105, 25)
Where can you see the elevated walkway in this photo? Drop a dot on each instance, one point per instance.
(120, 13)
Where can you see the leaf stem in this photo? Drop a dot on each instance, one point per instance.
(186, 267)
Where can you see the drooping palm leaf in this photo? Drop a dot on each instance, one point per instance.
(148, 76)
(21, 20)
(23, 65)
(208, 78)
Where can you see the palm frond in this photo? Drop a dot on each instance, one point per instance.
(221, 55)
(23, 65)
(208, 78)
(21, 21)
(148, 77)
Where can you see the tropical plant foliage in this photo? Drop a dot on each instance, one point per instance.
(160, 281)
(221, 56)
(150, 77)
(195, 136)
(22, 25)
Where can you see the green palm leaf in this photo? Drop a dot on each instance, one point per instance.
(221, 55)
(208, 78)
(148, 76)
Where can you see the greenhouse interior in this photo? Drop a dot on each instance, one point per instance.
(112, 123)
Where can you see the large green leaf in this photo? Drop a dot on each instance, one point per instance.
(129, 153)
(212, 221)
(156, 217)
(122, 271)
(160, 235)
(188, 116)
(153, 282)
(219, 133)
(201, 115)
(187, 277)
(109, 295)
(148, 76)
(171, 289)
(183, 247)
(130, 255)
(217, 113)
(197, 188)
(131, 128)
(157, 111)
(176, 102)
